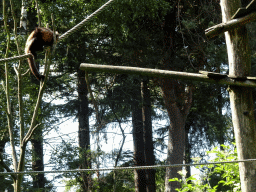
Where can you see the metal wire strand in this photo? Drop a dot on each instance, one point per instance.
(124, 168)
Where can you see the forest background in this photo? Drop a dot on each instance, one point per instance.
(160, 114)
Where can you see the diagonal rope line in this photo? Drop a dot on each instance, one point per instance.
(15, 58)
(124, 168)
(79, 25)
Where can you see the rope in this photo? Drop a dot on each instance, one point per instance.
(15, 58)
(79, 25)
(123, 168)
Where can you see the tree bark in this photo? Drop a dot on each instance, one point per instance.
(241, 97)
(138, 142)
(83, 131)
(38, 159)
(148, 140)
(177, 107)
(177, 98)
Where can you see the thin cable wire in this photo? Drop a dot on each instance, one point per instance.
(15, 58)
(123, 168)
(79, 25)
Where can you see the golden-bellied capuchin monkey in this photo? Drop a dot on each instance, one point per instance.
(36, 41)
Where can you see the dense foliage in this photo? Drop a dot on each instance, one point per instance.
(217, 177)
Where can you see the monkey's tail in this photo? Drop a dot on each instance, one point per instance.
(34, 69)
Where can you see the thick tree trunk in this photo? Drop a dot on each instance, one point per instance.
(148, 140)
(178, 102)
(38, 159)
(241, 97)
(177, 98)
(83, 131)
(138, 142)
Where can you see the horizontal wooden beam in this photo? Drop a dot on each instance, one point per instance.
(222, 27)
(169, 74)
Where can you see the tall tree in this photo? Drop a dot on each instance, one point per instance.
(83, 131)
(147, 134)
(177, 113)
(177, 97)
(38, 159)
(138, 139)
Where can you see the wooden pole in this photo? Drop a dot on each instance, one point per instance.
(225, 80)
(234, 23)
(241, 97)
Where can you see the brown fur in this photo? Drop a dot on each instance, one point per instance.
(38, 38)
